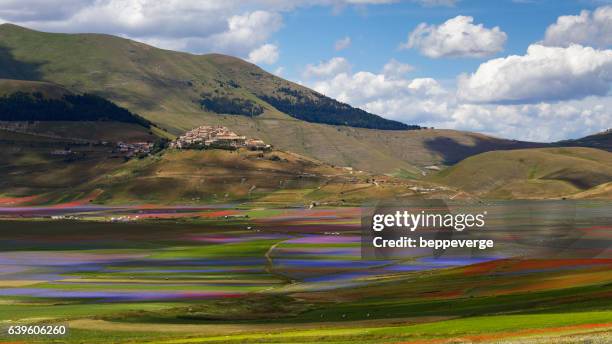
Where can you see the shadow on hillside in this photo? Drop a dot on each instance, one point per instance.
(453, 151)
(579, 179)
(12, 68)
(599, 141)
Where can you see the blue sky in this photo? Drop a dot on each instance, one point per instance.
(537, 70)
(376, 31)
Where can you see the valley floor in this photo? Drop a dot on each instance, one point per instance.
(225, 274)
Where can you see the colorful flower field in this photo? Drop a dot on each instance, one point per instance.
(189, 267)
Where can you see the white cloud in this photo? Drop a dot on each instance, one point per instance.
(457, 37)
(365, 2)
(433, 3)
(189, 25)
(592, 29)
(24, 10)
(409, 100)
(543, 74)
(246, 31)
(396, 69)
(267, 53)
(342, 43)
(543, 122)
(426, 102)
(279, 71)
(329, 68)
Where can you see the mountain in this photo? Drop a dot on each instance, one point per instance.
(602, 140)
(134, 72)
(178, 91)
(533, 173)
(108, 89)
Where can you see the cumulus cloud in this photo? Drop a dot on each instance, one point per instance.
(360, 87)
(396, 69)
(267, 54)
(240, 35)
(328, 68)
(457, 37)
(409, 100)
(246, 30)
(542, 122)
(588, 28)
(543, 74)
(342, 43)
(189, 25)
(425, 101)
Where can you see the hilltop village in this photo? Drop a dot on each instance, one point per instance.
(216, 137)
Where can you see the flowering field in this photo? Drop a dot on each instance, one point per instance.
(231, 274)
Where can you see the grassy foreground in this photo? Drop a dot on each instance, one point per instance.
(510, 328)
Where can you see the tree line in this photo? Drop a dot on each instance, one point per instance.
(322, 109)
(231, 106)
(20, 106)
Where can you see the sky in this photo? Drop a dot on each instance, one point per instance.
(533, 70)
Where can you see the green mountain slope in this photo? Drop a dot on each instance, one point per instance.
(531, 173)
(46, 89)
(170, 88)
(43, 110)
(137, 72)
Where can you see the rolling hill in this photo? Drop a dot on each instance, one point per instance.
(179, 91)
(95, 172)
(213, 176)
(602, 140)
(533, 173)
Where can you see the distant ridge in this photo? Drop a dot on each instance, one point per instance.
(602, 140)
